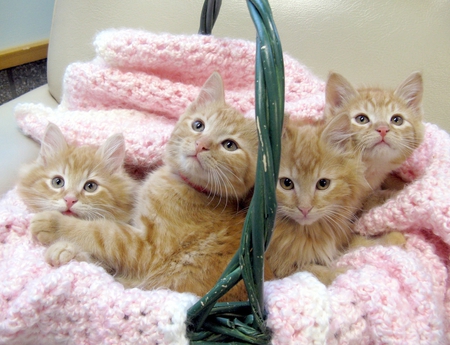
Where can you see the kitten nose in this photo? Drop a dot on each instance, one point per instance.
(201, 145)
(305, 210)
(70, 200)
(382, 130)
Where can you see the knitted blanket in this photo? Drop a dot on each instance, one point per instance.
(138, 84)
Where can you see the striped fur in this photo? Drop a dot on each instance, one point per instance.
(188, 219)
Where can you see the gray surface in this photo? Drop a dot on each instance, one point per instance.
(15, 148)
(17, 81)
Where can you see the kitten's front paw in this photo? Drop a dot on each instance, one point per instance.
(61, 252)
(377, 198)
(44, 226)
(394, 238)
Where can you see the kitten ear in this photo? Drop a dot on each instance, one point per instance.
(211, 92)
(113, 152)
(338, 90)
(411, 90)
(286, 122)
(337, 132)
(52, 142)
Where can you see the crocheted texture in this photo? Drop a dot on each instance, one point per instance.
(389, 295)
(140, 83)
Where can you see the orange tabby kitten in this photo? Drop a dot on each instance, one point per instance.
(321, 185)
(188, 220)
(386, 124)
(84, 182)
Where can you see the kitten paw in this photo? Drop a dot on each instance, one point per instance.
(394, 238)
(377, 198)
(44, 226)
(61, 252)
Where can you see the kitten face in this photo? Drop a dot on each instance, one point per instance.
(84, 182)
(213, 146)
(320, 176)
(386, 125)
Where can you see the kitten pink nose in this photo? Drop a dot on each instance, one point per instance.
(383, 131)
(201, 145)
(70, 200)
(305, 210)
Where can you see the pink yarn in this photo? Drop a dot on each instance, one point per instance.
(388, 296)
(145, 134)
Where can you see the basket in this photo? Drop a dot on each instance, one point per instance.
(209, 321)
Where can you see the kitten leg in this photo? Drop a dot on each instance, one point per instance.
(377, 198)
(61, 252)
(119, 247)
(393, 182)
(394, 238)
(44, 226)
(326, 275)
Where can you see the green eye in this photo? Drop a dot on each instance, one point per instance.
(198, 126)
(362, 119)
(90, 186)
(323, 183)
(58, 182)
(286, 183)
(397, 120)
(230, 145)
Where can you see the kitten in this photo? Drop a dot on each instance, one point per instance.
(84, 182)
(188, 220)
(386, 124)
(321, 185)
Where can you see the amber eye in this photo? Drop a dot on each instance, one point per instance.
(198, 126)
(286, 183)
(58, 182)
(90, 186)
(397, 120)
(323, 183)
(229, 145)
(362, 119)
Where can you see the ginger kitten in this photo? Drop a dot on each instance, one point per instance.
(386, 124)
(84, 182)
(321, 185)
(188, 219)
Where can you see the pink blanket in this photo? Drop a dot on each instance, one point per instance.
(138, 84)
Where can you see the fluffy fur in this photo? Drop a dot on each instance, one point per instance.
(386, 124)
(86, 182)
(321, 184)
(188, 219)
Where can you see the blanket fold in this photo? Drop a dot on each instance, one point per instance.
(138, 84)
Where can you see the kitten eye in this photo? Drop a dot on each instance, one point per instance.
(58, 182)
(323, 183)
(90, 186)
(286, 183)
(198, 126)
(229, 145)
(397, 120)
(362, 119)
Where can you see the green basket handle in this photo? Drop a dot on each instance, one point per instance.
(210, 11)
(209, 321)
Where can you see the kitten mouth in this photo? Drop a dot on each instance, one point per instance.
(382, 142)
(69, 213)
(308, 220)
